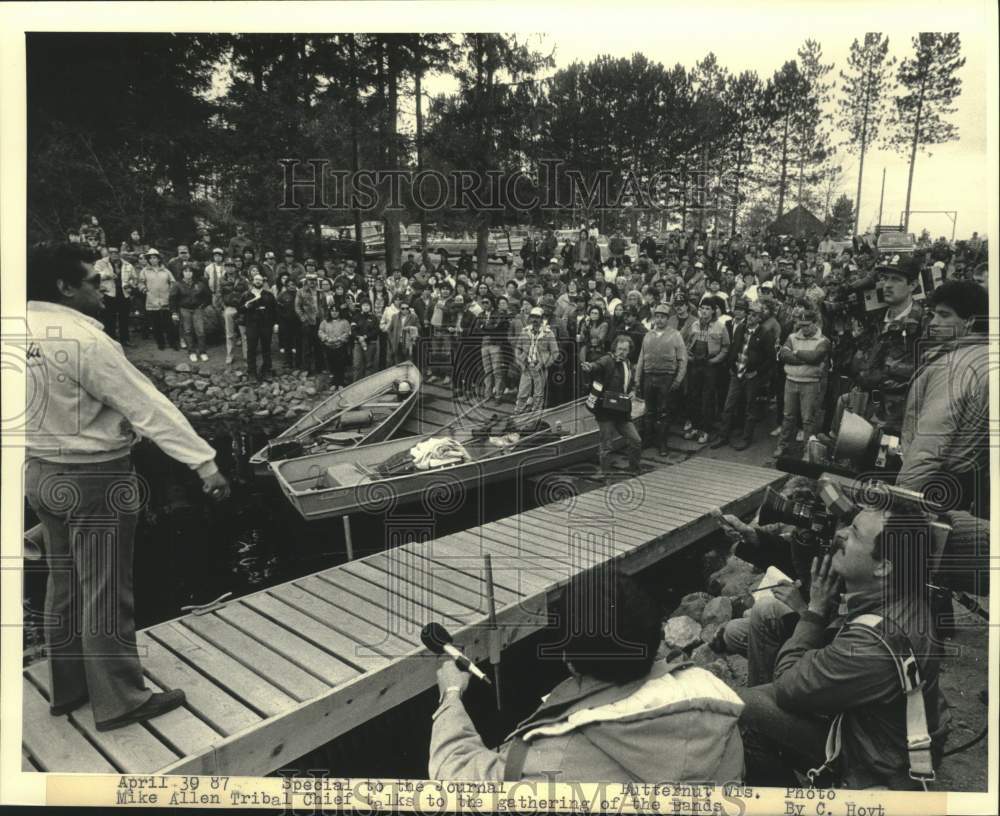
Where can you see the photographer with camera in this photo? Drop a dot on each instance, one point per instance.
(885, 355)
(852, 689)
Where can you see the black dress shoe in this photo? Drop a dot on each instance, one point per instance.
(159, 703)
(66, 708)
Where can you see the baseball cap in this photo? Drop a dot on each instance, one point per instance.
(896, 265)
(217, 251)
(536, 311)
(699, 265)
(152, 251)
(662, 308)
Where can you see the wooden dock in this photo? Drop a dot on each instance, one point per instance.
(273, 675)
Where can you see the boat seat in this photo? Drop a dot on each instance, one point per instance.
(343, 475)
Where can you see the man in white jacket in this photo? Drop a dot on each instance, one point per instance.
(94, 405)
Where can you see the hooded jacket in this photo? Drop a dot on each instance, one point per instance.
(945, 428)
(678, 723)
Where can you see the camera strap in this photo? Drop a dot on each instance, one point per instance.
(918, 740)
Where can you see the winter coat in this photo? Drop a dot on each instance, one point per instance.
(946, 421)
(678, 723)
(194, 295)
(128, 276)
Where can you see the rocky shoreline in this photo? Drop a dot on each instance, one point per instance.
(203, 394)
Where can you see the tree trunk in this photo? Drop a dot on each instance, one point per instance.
(783, 179)
(391, 216)
(913, 159)
(861, 159)
(417, 78)
(359, 243)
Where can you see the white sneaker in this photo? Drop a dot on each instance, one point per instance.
(183, 344)
(204, 358)
(702, 438)
(799, 437)
(193, 357)
(688, 426)
(776, 432)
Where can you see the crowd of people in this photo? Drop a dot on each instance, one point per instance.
(719, 327)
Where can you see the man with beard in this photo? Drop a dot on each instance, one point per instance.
(259, 310)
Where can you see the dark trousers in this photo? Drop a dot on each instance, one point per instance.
(701, 385)
(313, 356)
(656, 391)
(608, 426)
(336, 363)
(89, 601)
(778, 389)
(164, 328)
(743, 397)
(775, 740)
(290, 339)
(257, 335)
(115, 317)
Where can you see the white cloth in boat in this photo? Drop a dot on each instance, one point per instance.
(438, 452)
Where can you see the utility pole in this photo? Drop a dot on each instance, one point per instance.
(881, 198)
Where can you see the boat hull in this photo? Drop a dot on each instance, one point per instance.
(369, 386)
(439, 489)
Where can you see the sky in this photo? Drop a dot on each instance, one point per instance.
(955, 176)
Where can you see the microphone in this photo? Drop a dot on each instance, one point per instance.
(436, 638)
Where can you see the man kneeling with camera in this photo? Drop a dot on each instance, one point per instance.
(844, 677)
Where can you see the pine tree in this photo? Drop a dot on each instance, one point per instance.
(809, 136)
(929, 88)
(862, 106)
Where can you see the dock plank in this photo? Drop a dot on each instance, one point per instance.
(214, 705)
(406, 614)
(54, 742)
(537, 572)
(133, 748)
(692, 492)
(435, 604)
(251, 618)
(417, 571)
(473, 579)
(571, 531)
(650, 515)
(384, 635)
(529, 540)
(181, 730)
(246, 685)
(256, 655)
(507, 569)
(602, 541)
(349, 658)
